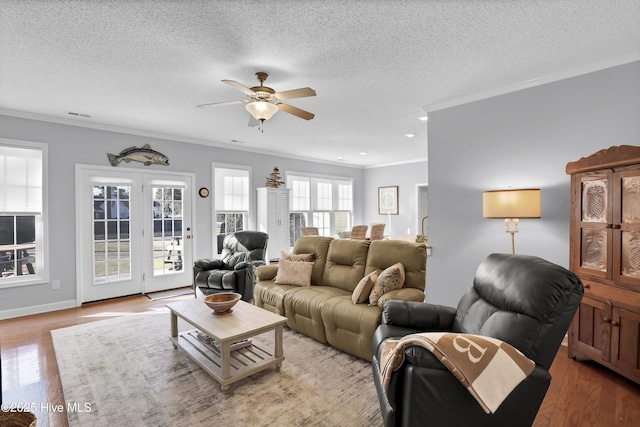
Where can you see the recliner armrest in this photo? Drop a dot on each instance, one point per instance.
(245, 264)
(209, 264)
(418, 315)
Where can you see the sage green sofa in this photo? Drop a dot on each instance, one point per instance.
(325, 310)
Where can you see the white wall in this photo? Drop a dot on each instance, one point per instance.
(517, 140)
(406, 177)
(71, 145)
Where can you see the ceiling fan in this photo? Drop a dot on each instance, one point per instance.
(264, 102)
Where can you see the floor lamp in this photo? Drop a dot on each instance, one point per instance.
(511, 205)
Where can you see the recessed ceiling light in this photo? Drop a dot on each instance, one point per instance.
(363, 153)
(340, 158)
(423, 118)
(409, 135)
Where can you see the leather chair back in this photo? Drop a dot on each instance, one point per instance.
(244, 246)
(523, 300)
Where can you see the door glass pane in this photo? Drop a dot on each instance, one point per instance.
(594, 249)
(594, 201)
(631, 200)
(111, 244)
(167, 230)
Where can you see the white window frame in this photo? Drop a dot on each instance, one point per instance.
(315, 205)
(42, 223)
(247, 214)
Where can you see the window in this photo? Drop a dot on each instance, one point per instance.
(22, 252)
(318, 201)
(231, 195)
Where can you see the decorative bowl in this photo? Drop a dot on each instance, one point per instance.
(223, 302)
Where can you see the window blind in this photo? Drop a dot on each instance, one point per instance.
(20, 180)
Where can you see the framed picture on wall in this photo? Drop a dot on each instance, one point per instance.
(388, 200)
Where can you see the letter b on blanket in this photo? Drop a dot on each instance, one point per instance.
(465, 345)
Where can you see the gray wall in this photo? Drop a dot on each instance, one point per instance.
(522, 139)
(71, 145)
(406, 177)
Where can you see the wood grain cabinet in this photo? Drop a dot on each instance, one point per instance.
(605, 253)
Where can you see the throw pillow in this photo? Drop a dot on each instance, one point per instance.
(297, 257)
(296, 273)
(362, 291)
(390, 279)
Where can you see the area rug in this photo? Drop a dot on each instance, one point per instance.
(125, 371)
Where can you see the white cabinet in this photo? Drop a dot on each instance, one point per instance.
(273, 219)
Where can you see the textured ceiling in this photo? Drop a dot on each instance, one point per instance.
(376, 65)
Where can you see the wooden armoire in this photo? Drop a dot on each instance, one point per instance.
(605, 253)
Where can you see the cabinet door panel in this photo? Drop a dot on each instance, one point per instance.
(591, 335)
(594, 250)
(594, 228)
(626, 339)
(626, 268)
(595, 199)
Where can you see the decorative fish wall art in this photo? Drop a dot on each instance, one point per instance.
(143, 154)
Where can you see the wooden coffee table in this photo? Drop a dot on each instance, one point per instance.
(217, 358)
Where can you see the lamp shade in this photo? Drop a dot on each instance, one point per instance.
(511, 203)
(261, 110)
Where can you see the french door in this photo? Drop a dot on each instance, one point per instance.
(133, 232)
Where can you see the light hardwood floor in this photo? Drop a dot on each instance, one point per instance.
(581, 393)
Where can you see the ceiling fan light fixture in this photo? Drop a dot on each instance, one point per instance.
(261, 110)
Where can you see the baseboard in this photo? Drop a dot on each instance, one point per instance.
(37, 309)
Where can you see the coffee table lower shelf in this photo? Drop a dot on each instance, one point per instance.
(242, 363)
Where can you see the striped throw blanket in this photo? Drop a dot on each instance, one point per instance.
(489, 368)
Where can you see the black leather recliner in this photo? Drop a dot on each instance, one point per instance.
(523, 300)
(233, 271)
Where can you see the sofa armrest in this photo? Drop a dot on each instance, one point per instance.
(245, 264)
(209, 264)
(266, 272)
(404, 294)
(418, 315)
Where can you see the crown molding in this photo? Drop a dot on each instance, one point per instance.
(573, 72)
(421, 160)
(157, 135)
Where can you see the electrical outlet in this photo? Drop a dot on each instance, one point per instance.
(55, 284)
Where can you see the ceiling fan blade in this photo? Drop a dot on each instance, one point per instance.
(253, 122)
(295, 93)
(240, 87)
(296, 111)
(219, 104)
